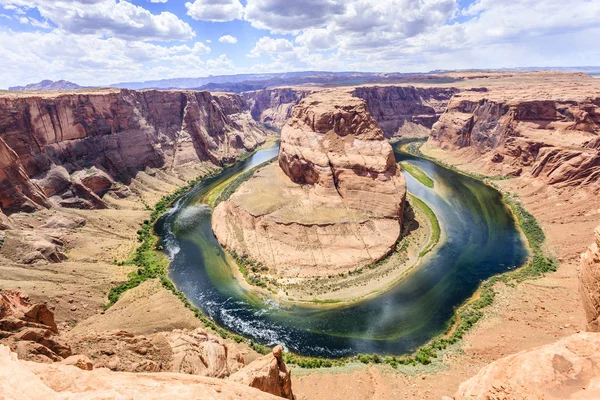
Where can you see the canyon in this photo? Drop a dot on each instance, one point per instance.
(334, 202)
(78, 170)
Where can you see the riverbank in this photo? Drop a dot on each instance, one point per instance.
(524, 315)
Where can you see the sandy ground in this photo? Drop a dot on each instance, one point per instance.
(77, 289)
(533, 313)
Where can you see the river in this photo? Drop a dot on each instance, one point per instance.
(480, 240)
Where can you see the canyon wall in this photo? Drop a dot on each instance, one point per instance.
(333, 203)
(399, 110)
(68, 149)
(274, 107)
(405, 110)
(589, 283)
(552, 137)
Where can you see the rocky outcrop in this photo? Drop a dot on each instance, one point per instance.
(29, 329)
(22, 380)
(566, 369)
(188, 352)
(334, 201)
(405, 111)
(589, 283)
(68, 149)
(274, 106)
(334, 144)
(199, 353)
(268, 374)
(550, 136)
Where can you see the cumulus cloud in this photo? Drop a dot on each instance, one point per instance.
(228, 39)
(280, 16)
(317, 39)
(120, 19)
(215, 10)
(269, 45)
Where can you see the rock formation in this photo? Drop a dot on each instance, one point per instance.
(589, 283)
(398, 108)
(545, 130)
(566, 369)
(29, 329)
(269, 374)
(22, 380)
(274, 106)
(334, 203)
(68, 149)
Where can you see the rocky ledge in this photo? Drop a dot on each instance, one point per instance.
(546, 129)
(334, 202)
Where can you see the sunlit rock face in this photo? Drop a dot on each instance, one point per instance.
(47, 140)
(333, 202)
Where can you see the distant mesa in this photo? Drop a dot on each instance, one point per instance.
(47, 84)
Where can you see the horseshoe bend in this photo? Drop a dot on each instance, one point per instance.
(333, 202)
(208, 214)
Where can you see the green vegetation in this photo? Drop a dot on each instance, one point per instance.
(414, 148)
(471, 312)
(417, 173)
(150, 262)
(435, 224)
(225, 191)
(249, 269)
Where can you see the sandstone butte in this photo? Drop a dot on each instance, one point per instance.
(114, 151)
(333, 202)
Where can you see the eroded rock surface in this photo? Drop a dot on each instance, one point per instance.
(405, 111)
(334, 201)
(546, 129)
(268, 374)
(29, 329)
(69, 149)
(589, 283)
(566, 369)
(22, 380)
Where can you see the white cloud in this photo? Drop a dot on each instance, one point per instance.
(280, 16)
(317, 39)
(228, 39)
(269, 45)
(215, 10)
(158, 1)
(117, 19)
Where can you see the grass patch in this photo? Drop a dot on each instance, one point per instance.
(435, 224)
(417, 173)
(150, 261)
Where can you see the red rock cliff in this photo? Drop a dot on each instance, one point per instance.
(394, 106)
(550, 136)
(44, 140)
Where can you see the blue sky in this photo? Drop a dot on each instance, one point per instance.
(95, 42)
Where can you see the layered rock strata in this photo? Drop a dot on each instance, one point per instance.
(274, 106)
(69, 149)
(547, 132)
(334, 202)
(406, 111)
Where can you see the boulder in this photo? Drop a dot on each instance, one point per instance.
(268, 373)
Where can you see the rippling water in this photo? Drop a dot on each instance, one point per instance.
(481, 240)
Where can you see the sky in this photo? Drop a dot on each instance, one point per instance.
(98, 42)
